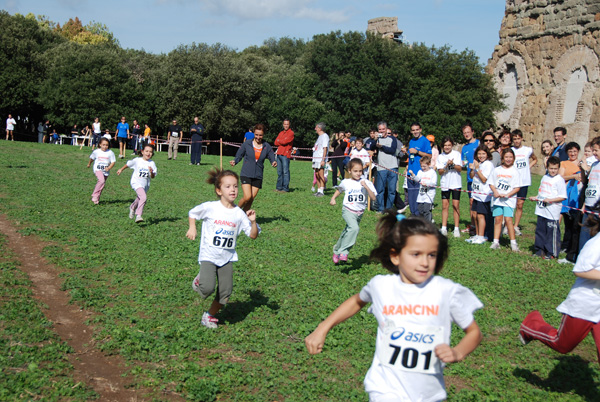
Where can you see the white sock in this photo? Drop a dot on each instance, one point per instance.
(444, 228)
(496, 241)
(513, 242)
(321, 189)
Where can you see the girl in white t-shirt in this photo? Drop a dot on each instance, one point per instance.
(222, 222)
(144, 169)
(449, 166)
(362, 154)
(504, 183)
(414, 309)
(358, 190)
(104, 160)
(481, 170)
(581, 309)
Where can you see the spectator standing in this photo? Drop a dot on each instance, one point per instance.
(97, 129)
(560, 136)
(174, 135)
(10, 127)
(40, 130)
(74, 134)
(46, 127)
(387, 172)
(468, 156)
(435, 151)
(284, 142)
(490, 141)
(136, 132)
(196, 131)
(522, 156)
(319, 158)
(147, 132)
(122, 136)
(339, 146)
(418, 147)
(249, 135)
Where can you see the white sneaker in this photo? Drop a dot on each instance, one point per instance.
(209, 321)
(518, 231)
(495, 246)
(456, 232)
(312, 189)
(139, 219)
(514, 247)
(444, 231)
(504, 231)
(479, 240)
(564, 261)
(472, 239)
(131, 213)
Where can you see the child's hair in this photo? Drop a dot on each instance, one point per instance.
(484, 148)
(593, 221)
(149, 146)
(447, 139)
(595, 141)
(553, 160)
(393, 234)
(588, 145)
(359, 140)
(542, 148)
(426, 160)
(260, 127)
(572, 145)
(516, 133)
(216, 175)
(353, 162)
(507, 151)
(104, 139)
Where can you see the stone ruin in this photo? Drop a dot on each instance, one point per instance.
(386, 27)
(546, 65)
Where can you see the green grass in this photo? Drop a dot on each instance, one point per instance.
(137, 278)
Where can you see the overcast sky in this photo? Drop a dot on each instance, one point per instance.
(159, 26)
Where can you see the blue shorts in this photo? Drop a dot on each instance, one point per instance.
(507, 212)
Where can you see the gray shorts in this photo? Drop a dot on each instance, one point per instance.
(204, 283)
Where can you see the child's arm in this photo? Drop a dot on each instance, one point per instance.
(467, 344)
(371, 193)
(513, 192)
(494, 191)
(112, 164)
(315, 341)
(192, 232)
(92, 161)
(252, 216)
(534, 160)
(121, 170)
(593, 274)
(152, 174)
(334, 196)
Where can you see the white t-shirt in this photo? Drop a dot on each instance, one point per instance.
(415, 319)
(10, 124)
(140, 178)
(583, 300)
(450, 179)
(428, 182)
(356, 196)
(592, 192)
(482, 191)
(220, 229)
(590, 161)
(551, 187)
(363, 155)
(96, 127)
(505, 180)
(102, 159)
(522, 156)
(322, 142)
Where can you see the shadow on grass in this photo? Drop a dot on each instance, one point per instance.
(16, 166)
(262, 221)
(571, 374)
(238, 311)
(353, 264)
(154, 221)
(102, 202)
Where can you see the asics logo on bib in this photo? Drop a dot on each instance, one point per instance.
(225, 223)
(225, 232)
(412, 336)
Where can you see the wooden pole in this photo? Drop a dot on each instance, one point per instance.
(221, 152)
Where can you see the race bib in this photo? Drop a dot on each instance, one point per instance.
(591, 191)
(503, 185)
(411, 348)
(101, 167)
(521, 164)
(144, 173)
(356, 198)
(175, 134)
(476, 187)
(224, 238)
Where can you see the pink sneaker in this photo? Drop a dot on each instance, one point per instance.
(335, 258)
(344, 257)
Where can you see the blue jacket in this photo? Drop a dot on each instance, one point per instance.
(251, 167)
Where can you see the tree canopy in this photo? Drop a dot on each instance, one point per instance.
(351, 80)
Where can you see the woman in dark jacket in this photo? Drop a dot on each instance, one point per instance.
(254, 152)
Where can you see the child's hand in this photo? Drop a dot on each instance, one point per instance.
(475, 165)
(251, 215)
(332, 202)
(447, 354)
(150, 169)
(533, 199)
(119, 172)
(191, 233)
(314, 342)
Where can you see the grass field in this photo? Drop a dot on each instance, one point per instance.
(136, 278)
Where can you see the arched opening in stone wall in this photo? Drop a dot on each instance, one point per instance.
(510, 90)
(573, 94)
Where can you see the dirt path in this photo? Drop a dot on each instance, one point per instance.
(103, 373)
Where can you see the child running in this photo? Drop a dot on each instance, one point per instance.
(581, 309)
(357, 190)
(449, 166)
(551, 194)
(104, 160)
(428, 180)
(222, 222)
(144, 169)
(482, 194)
(412, 300)
(504, 183)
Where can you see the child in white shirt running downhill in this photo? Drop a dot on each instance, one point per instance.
(144, 169)
(428, 181)
(222, 222)
(104, 160)
(358, 190)
(414, 309)
(504, 183)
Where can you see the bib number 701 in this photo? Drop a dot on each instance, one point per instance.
(410, 357)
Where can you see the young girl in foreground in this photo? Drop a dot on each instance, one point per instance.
(414, 309)
(581, 309)
(358, 190)
(222, 223)
(144, 169)
(104, 160)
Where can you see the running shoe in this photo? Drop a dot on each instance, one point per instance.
(335, 258)
(518, 231)
(523, 338)
(479, 240)
(139, 219)
(344, 257)
(209, 321)
(317, 194)
(444, 231)
(472, 239)
(131, 213)
(504, 231)
(456, 232)
(514, 247)
(564, 261)
(495, 246)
